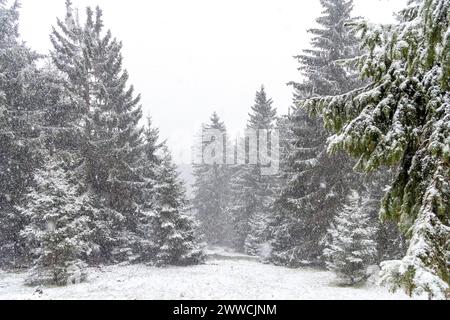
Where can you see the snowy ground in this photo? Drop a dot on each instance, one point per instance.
(224, 276)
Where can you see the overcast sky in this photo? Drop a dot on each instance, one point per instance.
(189, 58)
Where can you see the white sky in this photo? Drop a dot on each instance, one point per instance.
(191, 58)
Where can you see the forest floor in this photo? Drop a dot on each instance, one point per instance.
(224, 276)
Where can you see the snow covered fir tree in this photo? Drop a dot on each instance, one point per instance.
(175, 233)
(95, 187)
(58, 232)
(108, 114)
(252, 192)
(351, 245)
(211, 187)
(317, 183)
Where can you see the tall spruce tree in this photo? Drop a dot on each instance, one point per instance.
(252, 193)
(262, 117)
(402, 118)
(331, 43)
(277, 234)
(318, 184)
(110, 140)
(211, 190)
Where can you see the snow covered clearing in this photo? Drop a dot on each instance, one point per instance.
(229, 278)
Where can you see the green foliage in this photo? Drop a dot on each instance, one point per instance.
(402, 117)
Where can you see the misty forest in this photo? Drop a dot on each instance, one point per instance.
(91, 197)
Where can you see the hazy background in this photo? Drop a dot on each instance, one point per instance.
(189, 58)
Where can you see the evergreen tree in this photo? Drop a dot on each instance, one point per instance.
(351, 246)
(263, 114)
(318, 184)
(211, 191)
(108, 115)
(331, 43)
(252, 193)
(58, 232)
(402, 118)
(278, 235)
(18, 132)
(173, 231)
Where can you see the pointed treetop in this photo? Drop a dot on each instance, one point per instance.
(332, 41)
(152, 138)
(263, 114)
(216, 123)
